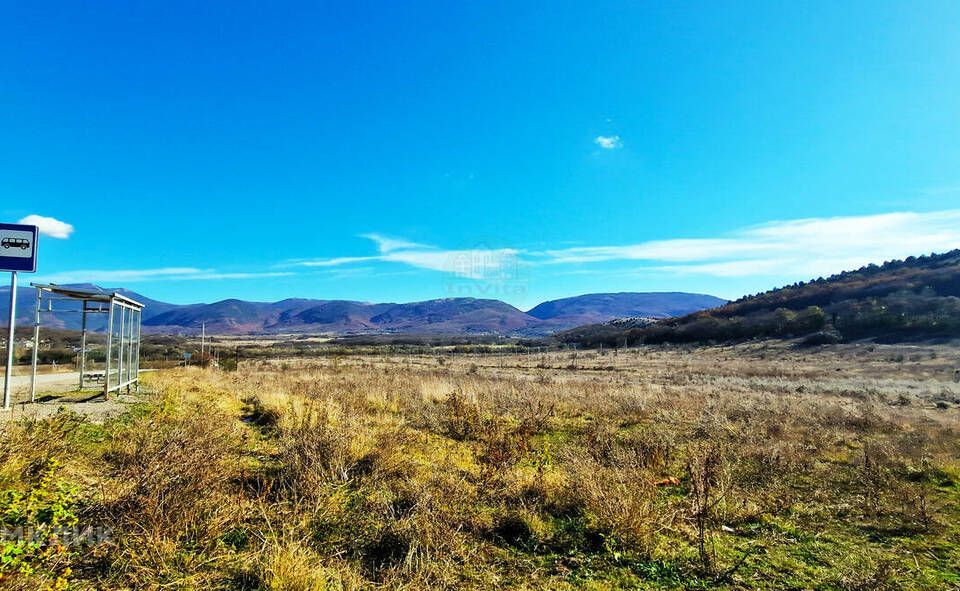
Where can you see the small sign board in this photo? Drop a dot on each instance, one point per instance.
(18, 248)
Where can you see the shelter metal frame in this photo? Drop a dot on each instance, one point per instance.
(123, 331)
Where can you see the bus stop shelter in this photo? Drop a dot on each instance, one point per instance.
(122, 359)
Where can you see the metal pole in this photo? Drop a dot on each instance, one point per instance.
(130, 314)
(83, 345)
(125, 347)
(137, 358)
(120, 349)
(203, 339)
(36, 348)
(106, 374)
(10, 341)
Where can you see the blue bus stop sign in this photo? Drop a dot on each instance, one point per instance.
(18, 248)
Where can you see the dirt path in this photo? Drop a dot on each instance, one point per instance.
(56, 391)
(91, 404)
(45, 380)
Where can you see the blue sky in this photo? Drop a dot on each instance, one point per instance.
(405, 151)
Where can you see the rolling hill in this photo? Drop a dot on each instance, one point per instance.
(343, 317)
(911, 299)
(598, 307)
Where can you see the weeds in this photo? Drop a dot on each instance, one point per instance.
(361, 473)
(708, 488)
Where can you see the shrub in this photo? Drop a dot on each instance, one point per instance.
(174, 501)
(315, 451)
(708, 483)
(822, 337)
(619, 505)
(462, 418)
(39, 557)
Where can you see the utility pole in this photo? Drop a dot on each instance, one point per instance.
(203, 339)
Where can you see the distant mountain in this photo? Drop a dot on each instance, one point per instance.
(290, 315)
(337, 316)
(910, 299)
(228, 316)
(600, 307)
(344, 317)
(445, 316)
(461, 315)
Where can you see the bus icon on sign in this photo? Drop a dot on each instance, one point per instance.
(18, 248)
(21, 243)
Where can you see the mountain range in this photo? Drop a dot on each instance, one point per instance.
(342, 317)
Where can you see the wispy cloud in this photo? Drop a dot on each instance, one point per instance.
(809, 246)
(472, 263)
(608, 142)
(118, 276)
(387, 244)
(784, 249)
(331, 262)
(213, 275)
(48, 226)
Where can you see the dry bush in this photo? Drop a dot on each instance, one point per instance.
(868, 573)
(430, 535)
(600, 440)
(618, 504)
(383, 471)
(651, 447)
(293, 566)
(875, 476)
(27, 445)
(173, 496)
(260, 413)
(319, 447)
(708, 482)
(402, 525)
(463, 418)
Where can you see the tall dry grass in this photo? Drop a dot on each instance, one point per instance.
(664, 469)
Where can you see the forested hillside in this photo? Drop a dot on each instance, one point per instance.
(914, 298)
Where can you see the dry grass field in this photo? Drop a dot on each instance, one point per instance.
(755, 466)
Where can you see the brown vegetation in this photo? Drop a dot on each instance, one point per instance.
(900, 301)
(664, 468)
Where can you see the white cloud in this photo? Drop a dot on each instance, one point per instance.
(332, 262)
(767, 267)
(811, 246)
(676, 250)
(119, 276)
(475, 263)
(778, 250)
(608, 142)
(51, 227)
(213, 275)
(386, 244)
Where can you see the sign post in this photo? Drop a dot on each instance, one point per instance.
(18, 252)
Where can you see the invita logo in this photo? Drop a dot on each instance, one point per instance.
(485, 271)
